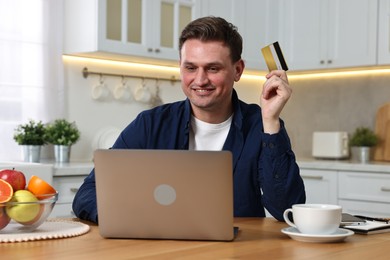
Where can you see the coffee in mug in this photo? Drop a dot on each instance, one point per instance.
(316, 219)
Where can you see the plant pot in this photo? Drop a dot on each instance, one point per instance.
(32, 153)
(361, 154)
(62, 153)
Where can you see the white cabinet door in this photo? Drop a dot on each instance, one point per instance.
(304, 30)
(219, 8)
(372, 209)
(368, 186)
(365, 193)
(384, 32)
(352, 34)
(323, 34)
(169, 19)
(258, 24)
(320, 186)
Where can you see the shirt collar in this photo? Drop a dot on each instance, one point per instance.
(237, 119)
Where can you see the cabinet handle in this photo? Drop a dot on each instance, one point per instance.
(74, 190)
(322, 62)
(312, 177)
(386, 189)
(157, 50)
(329, 61)
(150, 49)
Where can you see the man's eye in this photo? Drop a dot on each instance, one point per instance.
(190, 68)
(213, 69)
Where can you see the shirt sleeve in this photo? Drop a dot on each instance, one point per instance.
(84, 204)
(281, 183)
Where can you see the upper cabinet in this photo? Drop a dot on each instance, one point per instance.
(384, 32)
(313, 34)
(318, 34)
(258, 23)
(219, 8)
(256, 20)
(121, 28)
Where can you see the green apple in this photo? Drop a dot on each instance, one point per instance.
(24, 210)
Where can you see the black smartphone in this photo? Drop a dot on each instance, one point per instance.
(350, 220)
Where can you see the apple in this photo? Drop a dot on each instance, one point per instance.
(15, 178)
(23, 212)
(37, 218)
(4, 219)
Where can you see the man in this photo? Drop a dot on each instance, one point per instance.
(213, 118)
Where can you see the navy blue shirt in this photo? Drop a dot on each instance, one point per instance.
(265, 173)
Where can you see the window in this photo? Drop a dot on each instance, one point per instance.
(31, 72)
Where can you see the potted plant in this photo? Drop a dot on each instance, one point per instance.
(31, 136)
(62, 134)
(361, 142)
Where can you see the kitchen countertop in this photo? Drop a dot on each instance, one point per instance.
(72, 168)
(343, 165)
(76, 168)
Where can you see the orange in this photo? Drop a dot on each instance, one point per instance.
(6, 191)
(39, 187)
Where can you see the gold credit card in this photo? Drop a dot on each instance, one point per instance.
(274, 57)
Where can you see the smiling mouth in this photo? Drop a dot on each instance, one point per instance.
(203, 90)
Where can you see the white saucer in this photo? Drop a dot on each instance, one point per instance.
(340, 235)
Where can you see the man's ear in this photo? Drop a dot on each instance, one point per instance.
(239, 68)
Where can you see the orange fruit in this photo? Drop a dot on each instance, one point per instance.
(39, 187)
(6, 191)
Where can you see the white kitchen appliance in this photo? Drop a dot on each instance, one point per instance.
(330, 145)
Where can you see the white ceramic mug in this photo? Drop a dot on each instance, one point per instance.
(143, 95)
(100, 92)
(316, 219)
(121, 92)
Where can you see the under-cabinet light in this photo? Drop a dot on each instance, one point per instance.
(251, 75)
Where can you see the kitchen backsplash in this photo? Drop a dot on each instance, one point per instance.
(321, 104)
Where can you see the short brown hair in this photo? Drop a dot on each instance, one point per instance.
(212, 28)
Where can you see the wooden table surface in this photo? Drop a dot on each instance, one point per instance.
(257, 238)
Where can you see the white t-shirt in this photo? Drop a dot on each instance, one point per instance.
(206, 136)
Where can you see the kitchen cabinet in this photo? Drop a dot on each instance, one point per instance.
(319, 34)
(67, 187)
(365, 193)
(362, 189)
(384, 32)
(67, 178)
(258, 24)
(218, 8)
(320, 186)
(126, 29)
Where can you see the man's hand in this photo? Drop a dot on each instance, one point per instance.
(275, 94)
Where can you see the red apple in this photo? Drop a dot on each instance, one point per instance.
(15, 178)
(4, 219)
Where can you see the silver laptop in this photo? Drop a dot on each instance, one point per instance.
(165, 194)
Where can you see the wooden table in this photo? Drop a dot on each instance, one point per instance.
(258, 238)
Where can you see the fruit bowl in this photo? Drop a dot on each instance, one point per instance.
(25, 212)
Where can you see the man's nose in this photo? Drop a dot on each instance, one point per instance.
(201, 78)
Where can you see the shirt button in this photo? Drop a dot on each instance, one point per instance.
(271, 145)
(264, 144)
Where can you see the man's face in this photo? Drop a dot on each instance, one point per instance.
(208, 75)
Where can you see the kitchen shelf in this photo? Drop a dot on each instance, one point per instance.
(86, 73)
